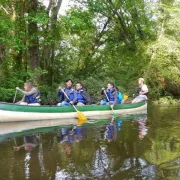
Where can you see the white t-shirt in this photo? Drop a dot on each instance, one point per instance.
(144, 87)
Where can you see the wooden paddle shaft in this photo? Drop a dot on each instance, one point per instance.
(15, 97)
(106, 95)
(108, 100)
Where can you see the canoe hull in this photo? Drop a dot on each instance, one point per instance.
(15, 116)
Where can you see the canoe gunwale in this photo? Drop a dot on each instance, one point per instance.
(65, 109)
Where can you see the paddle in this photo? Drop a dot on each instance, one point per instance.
(15, 142)
(80, 115)
(15, 97)
(115, 114)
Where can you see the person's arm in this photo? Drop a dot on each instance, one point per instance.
(60, 95)
(102, 91)
(144, 90)
(32, 91)
(17, 148)
(59, 92)
(86, 96)
(75, 98)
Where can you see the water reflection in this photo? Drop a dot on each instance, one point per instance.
(136, 148)
(30, 142)
(68, 136)
(71, 135)
(111, 130)
(142, 126)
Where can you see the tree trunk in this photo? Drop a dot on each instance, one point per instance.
(48, 52)
(33, 37)
(2, 53)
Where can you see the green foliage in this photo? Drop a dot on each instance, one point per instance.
(96, 41)
(164, 53)
(6, 95)
(48, 95)
(77, 21)
(167, 100)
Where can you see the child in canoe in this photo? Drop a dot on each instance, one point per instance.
(82, 96)
(111, 94)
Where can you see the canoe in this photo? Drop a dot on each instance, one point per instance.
(12, 112)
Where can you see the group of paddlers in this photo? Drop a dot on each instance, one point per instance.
(79, 96)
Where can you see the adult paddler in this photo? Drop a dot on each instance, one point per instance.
(142, 92)
(31, 95)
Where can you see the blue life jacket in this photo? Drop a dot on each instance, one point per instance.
(120, 98)
(71, 138)
(32, 99)
(80, 98)
(110, 94)
(71, 94)
(119, 123)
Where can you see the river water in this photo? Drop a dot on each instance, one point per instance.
(127, 148)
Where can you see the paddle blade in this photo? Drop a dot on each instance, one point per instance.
(81, 117)
(80, 122)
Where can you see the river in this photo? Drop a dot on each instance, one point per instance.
(127, 148)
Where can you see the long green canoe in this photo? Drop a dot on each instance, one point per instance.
(13, 112)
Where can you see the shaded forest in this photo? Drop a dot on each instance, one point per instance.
(95, 41)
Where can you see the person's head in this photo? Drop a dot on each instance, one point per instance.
(28, 86)
(69, 82)
(68, 149)
(79, 86)
(140, 81)
(110, 85)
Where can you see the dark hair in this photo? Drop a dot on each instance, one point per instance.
(116, 88)
(111, 84)
(69, 80)
(80, 83)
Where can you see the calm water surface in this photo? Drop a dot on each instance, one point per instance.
(137, 147)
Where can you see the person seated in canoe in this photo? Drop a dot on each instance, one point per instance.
(31, 95)
(30, 142)
(67, 95)
(142, 92)
(82, 96)
(111, 94)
